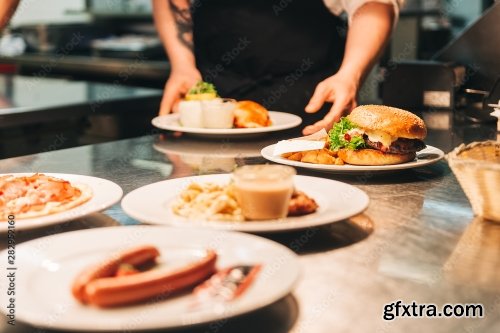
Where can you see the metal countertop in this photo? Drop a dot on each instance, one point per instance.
(418, 240)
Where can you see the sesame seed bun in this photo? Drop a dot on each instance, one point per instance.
(396, 122)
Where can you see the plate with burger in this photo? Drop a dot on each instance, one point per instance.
(204, 113)
(371, 138)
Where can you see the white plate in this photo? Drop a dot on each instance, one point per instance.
(281, 121)
(426, 156)
(48, 265)
(105, 193)
(337, 201)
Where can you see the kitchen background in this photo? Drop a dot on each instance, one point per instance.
(75, 72)
(123, 29)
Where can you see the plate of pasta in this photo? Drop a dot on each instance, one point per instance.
(209, 202)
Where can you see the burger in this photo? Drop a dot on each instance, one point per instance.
(378, 135)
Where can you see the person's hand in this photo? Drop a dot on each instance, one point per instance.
(178, 84)
(340, 89)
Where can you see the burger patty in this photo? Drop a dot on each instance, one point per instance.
(400, 146)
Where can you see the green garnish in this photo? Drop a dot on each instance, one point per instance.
(202, 88)
(339, 139)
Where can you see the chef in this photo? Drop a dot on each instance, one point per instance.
(7, 10)
(288, 55)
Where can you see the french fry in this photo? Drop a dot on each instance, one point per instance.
(296, 156)
(310, 156)
(324, 157)
(319, 156)
(331, 152)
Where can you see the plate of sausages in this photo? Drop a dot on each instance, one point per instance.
(146, 277)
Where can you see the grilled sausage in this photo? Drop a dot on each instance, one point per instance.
(134, 257)
(113, 291)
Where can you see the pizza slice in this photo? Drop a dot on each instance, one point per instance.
(39, 195)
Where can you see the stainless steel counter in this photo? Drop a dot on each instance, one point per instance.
(417, 241)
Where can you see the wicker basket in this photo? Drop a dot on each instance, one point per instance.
(477, 169)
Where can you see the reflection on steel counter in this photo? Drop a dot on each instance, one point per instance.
(423, 244)
(38, 114)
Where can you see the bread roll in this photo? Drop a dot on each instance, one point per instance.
(249, 114)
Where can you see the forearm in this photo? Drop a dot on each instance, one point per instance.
(174, 25)
(7, 10)
(368, 33)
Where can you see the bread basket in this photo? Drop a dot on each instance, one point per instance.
(477, 169)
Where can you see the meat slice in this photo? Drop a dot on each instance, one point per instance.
(400, 146)
(301, 204)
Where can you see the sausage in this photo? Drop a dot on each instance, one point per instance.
(112, 291)
(134, 257)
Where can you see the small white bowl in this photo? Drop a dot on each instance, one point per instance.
(191, 114)
(218, 113)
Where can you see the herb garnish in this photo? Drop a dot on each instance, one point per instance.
(340, 139)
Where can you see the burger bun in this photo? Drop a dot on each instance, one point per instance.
(396, 122)
(373, 157)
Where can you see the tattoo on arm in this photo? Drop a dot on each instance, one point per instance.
(184, 22)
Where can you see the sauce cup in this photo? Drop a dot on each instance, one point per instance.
(264, 191)
(218, 113)
(191, 114)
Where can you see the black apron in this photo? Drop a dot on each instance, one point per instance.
(274, 52)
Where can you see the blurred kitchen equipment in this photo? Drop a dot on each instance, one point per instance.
(434, 34)
(493, 96)
(11, 45)
(120, 7)
(477, 48)
(472, 60)
(421, 84)
(496, 114)
(127, 46)
(478, 103)
(59, 38)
